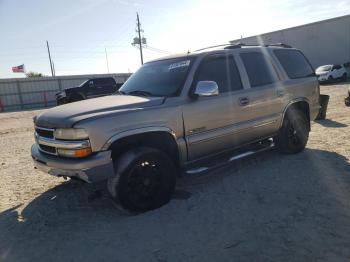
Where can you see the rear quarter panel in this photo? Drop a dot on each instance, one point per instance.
(303, 89)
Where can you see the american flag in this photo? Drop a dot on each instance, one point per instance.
(18, 69)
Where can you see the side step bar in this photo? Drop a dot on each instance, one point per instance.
(259, 147)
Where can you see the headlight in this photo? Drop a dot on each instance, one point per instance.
(61, 94)
(82, 152)
(71, 133)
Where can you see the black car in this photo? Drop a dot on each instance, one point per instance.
(90, 88)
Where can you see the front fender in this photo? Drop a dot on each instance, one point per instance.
(181, 144)
(137, 131)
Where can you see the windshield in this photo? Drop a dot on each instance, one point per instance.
(324, 68)
(160, 78)
(83, 83)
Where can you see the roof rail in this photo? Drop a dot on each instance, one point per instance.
(239, 45)
(211, 47)
(280, 45)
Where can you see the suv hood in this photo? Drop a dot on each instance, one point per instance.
(67, 115)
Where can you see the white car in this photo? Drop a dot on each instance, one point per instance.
(329, 73)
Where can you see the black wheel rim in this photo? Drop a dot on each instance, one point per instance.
(293, 135)
(144, 182)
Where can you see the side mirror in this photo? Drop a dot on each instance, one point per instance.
(206, 88)
(91, 84)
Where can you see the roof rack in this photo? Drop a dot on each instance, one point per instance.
(239, 45)
(210, 47)
(279, 44)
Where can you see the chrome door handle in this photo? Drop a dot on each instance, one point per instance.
(243, 101)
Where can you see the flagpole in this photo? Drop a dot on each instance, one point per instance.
(107, 60)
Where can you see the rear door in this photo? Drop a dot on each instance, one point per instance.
(101, 87)
(111, 86)
(338, 72)
(261, 103)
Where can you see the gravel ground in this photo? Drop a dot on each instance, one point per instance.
(270, 207)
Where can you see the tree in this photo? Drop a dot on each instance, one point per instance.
(34, 74)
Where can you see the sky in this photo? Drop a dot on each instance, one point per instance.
(79, 31)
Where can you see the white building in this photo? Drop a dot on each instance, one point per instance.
(323, 42)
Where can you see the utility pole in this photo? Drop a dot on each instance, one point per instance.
(107, 60)
(53, 67)
(139, 41)
(48, 50)
(139, 32)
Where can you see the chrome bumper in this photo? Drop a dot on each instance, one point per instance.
(94, 168)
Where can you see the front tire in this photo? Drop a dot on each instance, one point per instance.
(294, 133)
(75, 98)
(144, 179)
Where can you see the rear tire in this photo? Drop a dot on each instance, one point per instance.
(294, 133)
(144, 179)
(344, 77)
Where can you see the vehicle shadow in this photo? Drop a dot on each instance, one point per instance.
(330, 123)
(271, 207)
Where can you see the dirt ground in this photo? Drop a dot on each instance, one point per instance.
(270, 207)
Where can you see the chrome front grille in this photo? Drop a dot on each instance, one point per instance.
(48, 149)
(44, 132)
(45, 138)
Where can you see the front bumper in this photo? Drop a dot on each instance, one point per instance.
(61, 98)
(95, 168)
(322, 78)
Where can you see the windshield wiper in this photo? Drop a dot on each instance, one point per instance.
(140, 93)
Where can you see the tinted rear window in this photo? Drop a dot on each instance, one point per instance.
(259, 69)
(294, 63)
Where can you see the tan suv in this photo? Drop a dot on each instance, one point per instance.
(182, 114)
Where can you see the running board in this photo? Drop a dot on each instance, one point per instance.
(225, 160)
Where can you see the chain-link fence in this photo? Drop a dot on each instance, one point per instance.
(39, 92)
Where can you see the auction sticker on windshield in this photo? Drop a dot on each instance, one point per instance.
(179, 64)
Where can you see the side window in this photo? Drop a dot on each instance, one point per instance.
(110, 82)
(99, 82)
(294, 63)
(223, 70)
(259, 69)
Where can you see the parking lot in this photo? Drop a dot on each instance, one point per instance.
(270, 207)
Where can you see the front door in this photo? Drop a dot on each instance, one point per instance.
(210, 122)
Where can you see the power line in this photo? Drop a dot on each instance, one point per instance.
(157, 50)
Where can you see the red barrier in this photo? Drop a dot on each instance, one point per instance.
(45, 99)
(1, 106)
